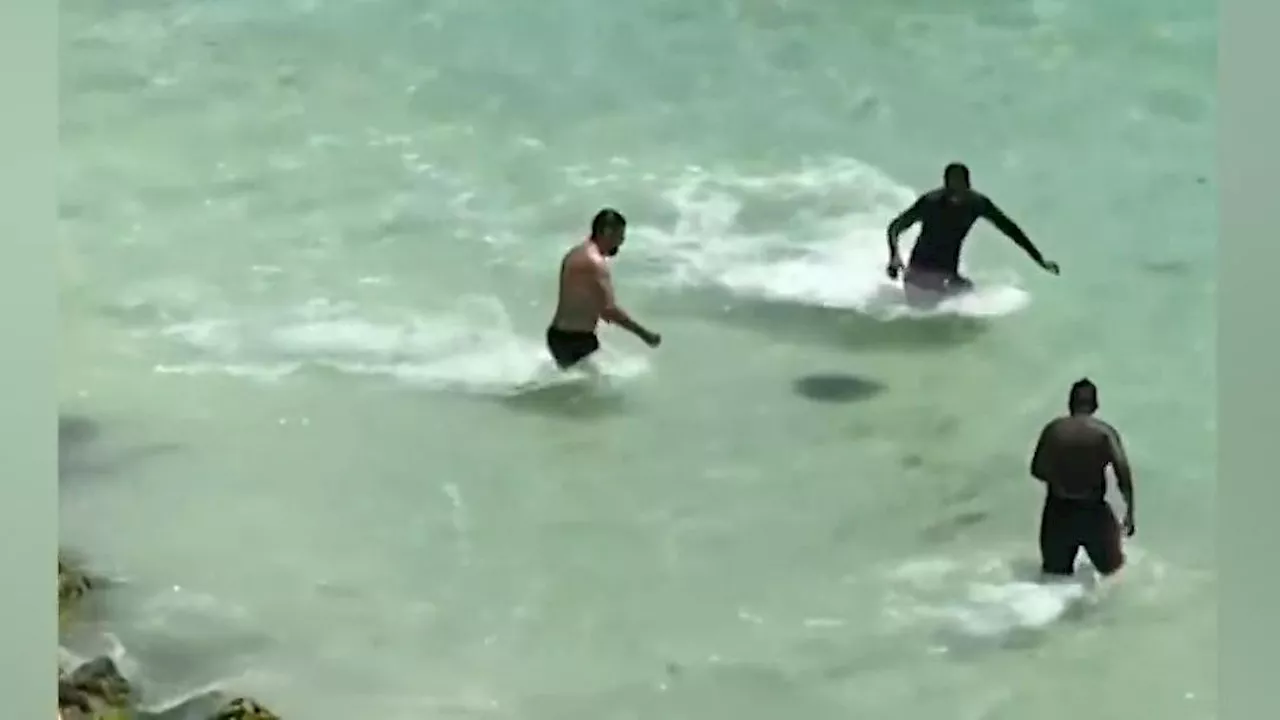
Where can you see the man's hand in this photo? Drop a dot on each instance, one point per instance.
(895, 268)
(652, 339)
(1051, 267)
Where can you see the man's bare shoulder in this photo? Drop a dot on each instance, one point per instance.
(1106, 428)
(579, 258)
(1055, 425)
(1080, 427)
(594, 262)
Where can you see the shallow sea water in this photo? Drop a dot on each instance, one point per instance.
(308, 253)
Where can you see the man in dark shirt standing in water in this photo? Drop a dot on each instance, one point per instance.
(586, 294)
(1071, 459)
(946, 215)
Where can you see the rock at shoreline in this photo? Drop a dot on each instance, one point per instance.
(242, 708)
(210, 705)
(73, 585)
(95, 691)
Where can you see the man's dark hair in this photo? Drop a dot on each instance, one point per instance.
(957, 171)
(606, 220)
(1084, 395)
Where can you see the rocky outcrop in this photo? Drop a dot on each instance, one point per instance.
(244, 709)
(73, 585)
(98, 690)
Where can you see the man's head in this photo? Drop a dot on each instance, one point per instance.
(1083, 398)
(956, 176)
(608, 231)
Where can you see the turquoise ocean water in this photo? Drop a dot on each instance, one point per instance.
(308, 251)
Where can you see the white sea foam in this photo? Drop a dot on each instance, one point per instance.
(469, 348)
(814, 236)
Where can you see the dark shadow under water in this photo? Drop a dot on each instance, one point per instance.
(835, 387)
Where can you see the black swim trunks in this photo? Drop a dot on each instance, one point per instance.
(926, 288)
(1066, 526)
(938, 281)
(569, 347)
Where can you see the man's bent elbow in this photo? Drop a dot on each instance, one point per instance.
(1039, 469)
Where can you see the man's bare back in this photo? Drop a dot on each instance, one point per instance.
(1073, 455)
(586, 295)
(581, 302)
(1071, 459)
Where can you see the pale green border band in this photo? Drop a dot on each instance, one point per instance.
(1249, 260)
(28, 451)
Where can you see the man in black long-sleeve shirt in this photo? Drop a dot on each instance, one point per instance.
(946, 215)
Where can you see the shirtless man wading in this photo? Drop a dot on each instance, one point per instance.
(586, 294)
(1071, 459)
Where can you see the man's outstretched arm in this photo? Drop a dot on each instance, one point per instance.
(994, 215)
(614, 314)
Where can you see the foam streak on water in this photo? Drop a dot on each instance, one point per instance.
(309, 250)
